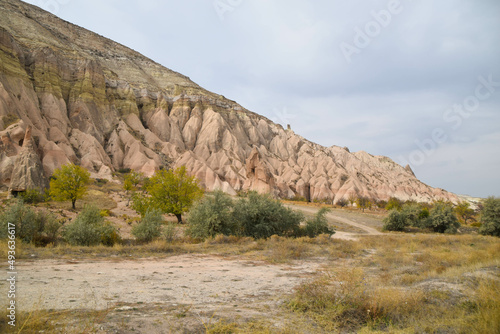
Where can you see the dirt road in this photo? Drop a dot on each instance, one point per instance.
(362, 228)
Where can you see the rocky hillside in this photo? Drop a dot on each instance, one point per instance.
(97, 103)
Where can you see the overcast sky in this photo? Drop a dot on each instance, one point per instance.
(418, 81)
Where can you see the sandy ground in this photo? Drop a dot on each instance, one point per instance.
(179, 294)
(200, 281)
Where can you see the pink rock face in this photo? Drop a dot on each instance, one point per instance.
(28, 172)
(97, 103)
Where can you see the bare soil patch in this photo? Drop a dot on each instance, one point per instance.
(196, 287)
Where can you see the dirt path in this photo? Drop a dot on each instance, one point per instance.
(365, 229)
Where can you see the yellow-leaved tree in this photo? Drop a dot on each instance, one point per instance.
(69, 183)
(170, 191)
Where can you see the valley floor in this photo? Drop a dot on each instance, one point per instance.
(361, 280)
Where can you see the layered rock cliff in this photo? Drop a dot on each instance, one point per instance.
(100, 104)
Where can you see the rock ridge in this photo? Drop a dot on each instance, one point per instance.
(97, 103)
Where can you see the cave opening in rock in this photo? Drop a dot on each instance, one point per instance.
(16, 193)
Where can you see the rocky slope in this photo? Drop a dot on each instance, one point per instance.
(100, 104)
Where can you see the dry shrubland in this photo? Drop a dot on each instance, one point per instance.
(391, 283)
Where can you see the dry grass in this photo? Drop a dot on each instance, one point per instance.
(429, 284)
(95, 196)
(397, 283)
(43, 321)
(40, 320)
(346, 298)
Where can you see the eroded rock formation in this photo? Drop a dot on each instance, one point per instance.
(95, 102)
(27, 173)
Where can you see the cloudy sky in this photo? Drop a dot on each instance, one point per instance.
(418, 81)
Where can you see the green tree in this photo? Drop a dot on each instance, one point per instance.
(490, 217)
(211, 216)
(318, 224)
(464, 211)
(442, 218)
(260, 216)
(141, 203)
(69, 183)
(170, 191)
(352, 199)
(363, 203)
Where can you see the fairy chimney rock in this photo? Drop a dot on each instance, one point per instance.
(259, 178)
(28, 171)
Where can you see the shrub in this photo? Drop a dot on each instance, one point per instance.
(442, 219)
(89, 228)
(150, 226)
(410, 214)
(32, 196)
(490, 217)
(105, 212)
(395, 221)
(413, 212)
(40, 227)
(24, 219)
(124, 170)
(318, 224)
(9, 119)
(381, 204)
(393, 203)
(342, 202)
(110, 235)
(211, 216)
(260, 216)
(424, 213)
(101, 182)
(48, 228)
(298, 198)
(169, 232)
